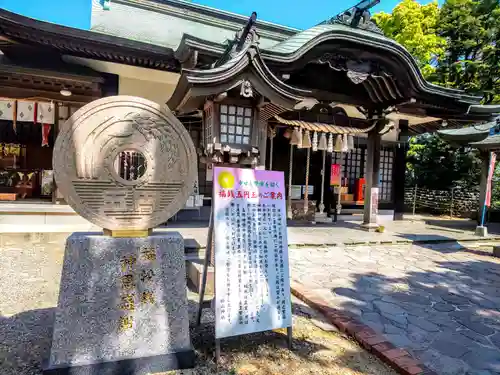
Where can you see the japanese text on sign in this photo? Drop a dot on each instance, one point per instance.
(251, 252)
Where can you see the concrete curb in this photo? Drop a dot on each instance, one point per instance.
(397, 242)
(398, 358)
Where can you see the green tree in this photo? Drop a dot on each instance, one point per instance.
(456, 46)
(435, 164)
(472, 58)
(414, 26)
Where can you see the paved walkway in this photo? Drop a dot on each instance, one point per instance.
(421, 229)
(441, 302)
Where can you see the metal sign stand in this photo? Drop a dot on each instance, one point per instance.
(207, 304)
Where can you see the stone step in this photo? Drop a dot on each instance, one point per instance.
(194, 271)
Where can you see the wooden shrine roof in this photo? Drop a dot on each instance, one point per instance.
(483, 136)
(16, 29)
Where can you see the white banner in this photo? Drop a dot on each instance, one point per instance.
(6, 109)
(25, 111)
(45, 113)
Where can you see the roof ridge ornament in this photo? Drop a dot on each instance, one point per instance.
(243, 39)
(357, 17)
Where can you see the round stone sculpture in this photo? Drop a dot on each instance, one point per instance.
(125, 163)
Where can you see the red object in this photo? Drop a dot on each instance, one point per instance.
(360, 190)
(45, 134)
(491, 170)
(335, 178)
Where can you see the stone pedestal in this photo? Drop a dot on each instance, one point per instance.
(122, 307)
(195, 275)
(481, 231)
(322, 218)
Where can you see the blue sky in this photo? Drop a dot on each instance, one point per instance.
(303, 14)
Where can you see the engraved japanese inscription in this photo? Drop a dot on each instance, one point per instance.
(125, 163)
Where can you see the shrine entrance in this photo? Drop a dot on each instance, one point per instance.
(339, 94)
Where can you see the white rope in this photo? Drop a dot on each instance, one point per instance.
(306, 193)
(321, 204)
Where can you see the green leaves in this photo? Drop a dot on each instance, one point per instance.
(456, 46)
(435, 164)
(414, 26)
(472, 62)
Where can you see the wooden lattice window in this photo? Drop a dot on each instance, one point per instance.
(385, 186)
(235, 124)
(352, 165)
(209, 133)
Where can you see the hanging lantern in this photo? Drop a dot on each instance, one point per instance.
(345, 148)
(338, 143)
(315, 141)
(288, 133)
(322, 144)
(350, 142)
(306, 139)
(329, 148)
(296, 138)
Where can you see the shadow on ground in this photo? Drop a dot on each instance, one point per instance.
(26, 340)
(445, 312)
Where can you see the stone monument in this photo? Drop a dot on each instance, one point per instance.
(126, 165)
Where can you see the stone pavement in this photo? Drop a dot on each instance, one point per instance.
(424, 229)
(441, 302)
(419, 229)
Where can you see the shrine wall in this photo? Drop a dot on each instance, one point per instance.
(151, 84)
(157, 92)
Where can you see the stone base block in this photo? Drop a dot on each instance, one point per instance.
(145, 365)
(322, 218)
(195, 276)
(481, 231)
(369, 227)
(496, 251)
(122, 307)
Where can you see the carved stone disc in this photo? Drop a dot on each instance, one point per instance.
(125, 163)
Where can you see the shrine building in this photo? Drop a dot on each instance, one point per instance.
(331, 106)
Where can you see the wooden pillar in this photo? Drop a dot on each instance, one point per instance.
(372, 179)
(290, 170)
(262, 143)
(398, 178)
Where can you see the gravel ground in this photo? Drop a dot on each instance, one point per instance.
(30, 271)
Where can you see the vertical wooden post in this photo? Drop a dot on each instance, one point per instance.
(289, 208)
(398, 181)
(262, 143)
(208, 260)
(272, 134)
(289, 334)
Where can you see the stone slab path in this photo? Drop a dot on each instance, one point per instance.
(440, 302)
(419, 229)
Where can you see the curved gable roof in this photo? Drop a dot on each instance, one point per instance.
(20, 29)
